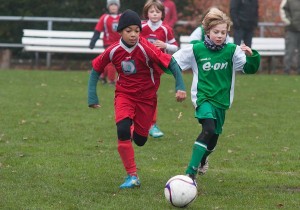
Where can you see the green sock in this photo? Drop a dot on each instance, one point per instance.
(198, 152)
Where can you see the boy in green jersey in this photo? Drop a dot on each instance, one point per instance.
(214, 63)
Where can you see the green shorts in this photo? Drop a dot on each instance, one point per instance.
(208, 111)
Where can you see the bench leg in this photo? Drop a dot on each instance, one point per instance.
(48, 60)
(36, 62)
(260, 65)
(269, 64)
(272, 64)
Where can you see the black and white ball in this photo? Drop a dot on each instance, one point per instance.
(180, 191)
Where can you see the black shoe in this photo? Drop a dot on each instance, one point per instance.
(193, 177)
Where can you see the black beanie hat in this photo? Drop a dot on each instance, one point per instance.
(129, 18)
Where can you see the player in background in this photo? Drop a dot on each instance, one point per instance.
(214, 63)
(170, 13)
(136, 61)
(108, 24)
(161, 35)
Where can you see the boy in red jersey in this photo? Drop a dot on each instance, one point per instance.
(108, 23)
(136, 61)
(161, 35)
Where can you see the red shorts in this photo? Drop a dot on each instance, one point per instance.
(141, 111)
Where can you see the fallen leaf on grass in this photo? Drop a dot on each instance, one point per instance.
(230, 135)
(179, 115)
(23, 122)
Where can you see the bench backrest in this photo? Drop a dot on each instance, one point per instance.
(78, 42)
(60, 41)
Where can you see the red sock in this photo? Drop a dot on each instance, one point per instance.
(126, 152)
(154, 117)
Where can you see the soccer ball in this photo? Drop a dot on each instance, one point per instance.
(180, 190)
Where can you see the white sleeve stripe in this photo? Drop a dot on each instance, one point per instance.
(112, 52)
(166, 32)
(105, 25)
(147, 62)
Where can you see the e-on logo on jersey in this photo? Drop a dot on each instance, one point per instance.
(217, 66)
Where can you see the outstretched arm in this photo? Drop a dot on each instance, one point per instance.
(93, 100)
(179, 84)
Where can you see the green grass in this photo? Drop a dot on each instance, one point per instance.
(56, 153)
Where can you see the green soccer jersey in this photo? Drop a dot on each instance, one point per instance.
(214, 71)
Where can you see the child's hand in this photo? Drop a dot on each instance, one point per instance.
(180, 95)
(160, 44)
(95, 106)
(246, 49)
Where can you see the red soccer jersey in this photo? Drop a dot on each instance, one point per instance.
(137, 67)
(160, 32)
(108, 24)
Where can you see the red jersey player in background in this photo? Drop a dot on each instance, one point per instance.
(108, 24)
(171, 12)
(161, 35)
(136, 61)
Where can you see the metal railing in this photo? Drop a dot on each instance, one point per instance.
(48, 20)
(51, 20)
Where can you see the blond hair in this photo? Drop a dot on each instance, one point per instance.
(156, 3)
(215, 17)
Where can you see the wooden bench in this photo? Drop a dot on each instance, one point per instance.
(267, 47)
(50, 41)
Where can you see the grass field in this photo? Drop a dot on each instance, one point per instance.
(56, 153)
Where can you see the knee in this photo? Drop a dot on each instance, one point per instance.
(123, 129)
(139, 140)
(209, 132)
(213, 142)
